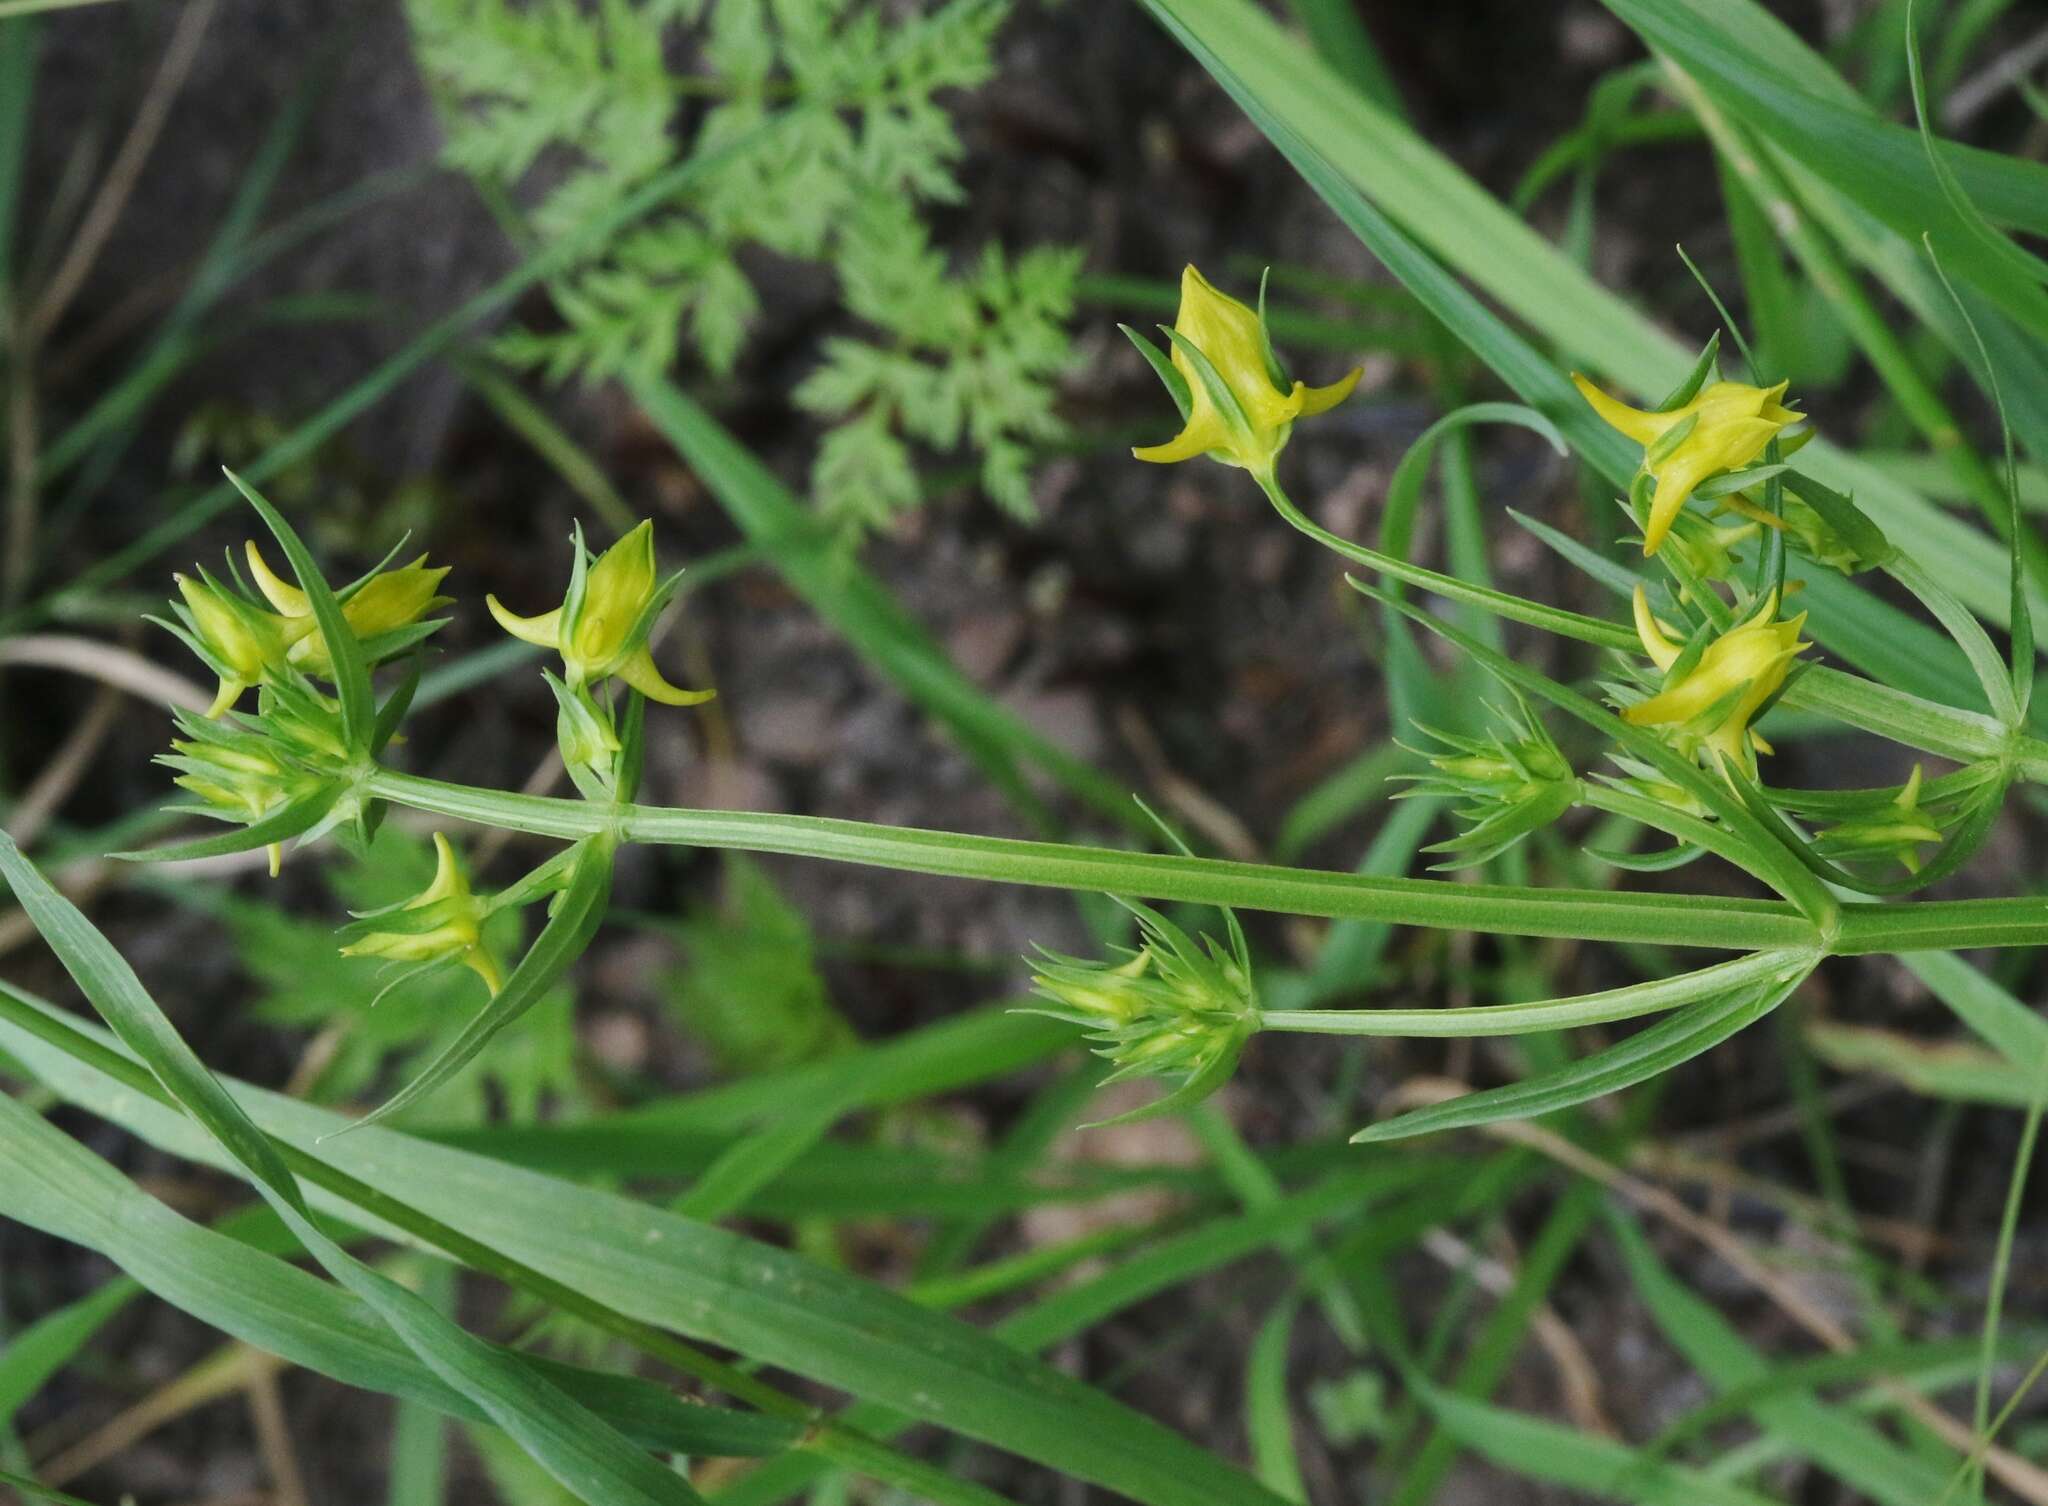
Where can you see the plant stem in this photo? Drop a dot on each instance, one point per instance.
(1590, 915)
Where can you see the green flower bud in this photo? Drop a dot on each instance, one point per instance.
(1513, 781)
(1897, 829)
(240, 641)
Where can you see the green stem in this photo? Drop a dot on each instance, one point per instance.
(1910, 720)
(1939, 926)
(1589, 915)
(1593, 630)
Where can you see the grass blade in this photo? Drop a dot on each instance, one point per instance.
(764, 1302)
(585, 1454)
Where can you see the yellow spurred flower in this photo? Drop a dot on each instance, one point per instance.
(242, 640)
(1731, 423)
(1228, 334)
(604, 632)
(443, 922)
(1735, 675)
(385, 603)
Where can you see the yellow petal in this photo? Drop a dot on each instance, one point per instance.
(615, 592)
(225, 696)
(639, 672)
(1662, 651)
(1641, 426)
(1204, 433)
(287, 598)
(1316, 400)
(543, 631)
(479, 961)
(1674, 485)
(448, 879)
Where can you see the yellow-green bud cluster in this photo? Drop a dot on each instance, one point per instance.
(1171, 1008)
(246, 644)
(245, 773)
(1893, 830)
(1512, 782)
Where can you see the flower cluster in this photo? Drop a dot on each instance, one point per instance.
(1170, 1008)
(246, 646)
(601, 627)
(1237, 404)
(1712, 691)
(601, 631)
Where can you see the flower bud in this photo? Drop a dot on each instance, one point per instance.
(239, 640)
(1725, 427)
(442, 923)
(601, 629)
(1514, 781)
(386, 602)
(240, 776)
(1897, 828)
(1241, 410)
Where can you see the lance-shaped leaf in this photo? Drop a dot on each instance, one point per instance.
(1644, 1055)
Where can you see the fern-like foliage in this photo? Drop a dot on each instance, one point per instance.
(830, 140)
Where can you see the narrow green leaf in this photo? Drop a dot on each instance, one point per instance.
(1269, 1412)
(1852, 1450)
(1599, 1467)
(37, 1352)
(1644, 1055)
(351, 673)
(279, 826)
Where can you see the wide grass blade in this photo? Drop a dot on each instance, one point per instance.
(769, 1304)
(53, 1183)
(585, 1454)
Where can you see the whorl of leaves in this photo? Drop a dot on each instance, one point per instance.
(598, 98)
